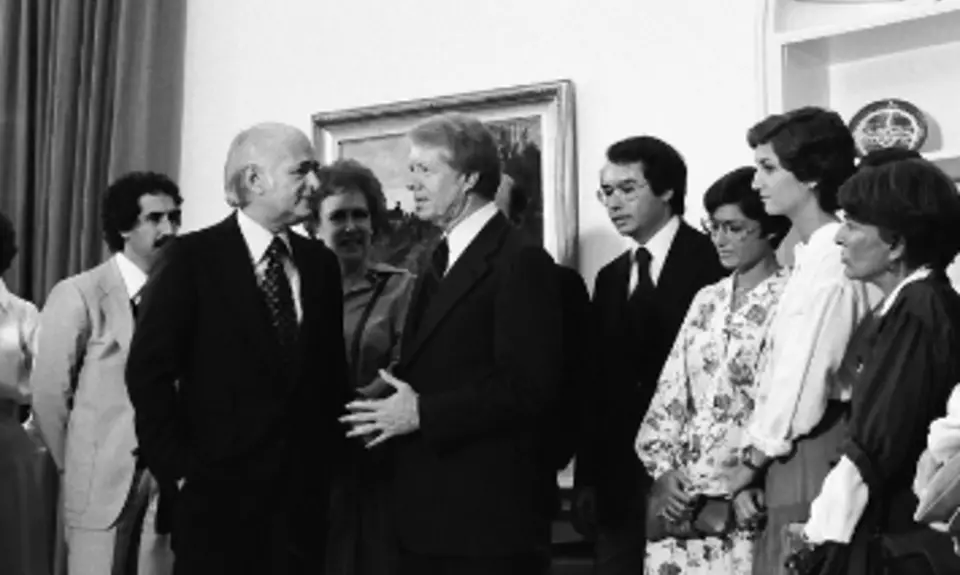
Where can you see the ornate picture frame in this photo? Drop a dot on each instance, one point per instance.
(534, 126)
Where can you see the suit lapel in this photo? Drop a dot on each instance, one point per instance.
(680, 265)
(116, 303)
(311, 288)
(618, 297)
(238, 280)
(472, 265)
(310, 282)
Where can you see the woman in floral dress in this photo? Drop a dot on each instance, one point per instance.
(690, 436)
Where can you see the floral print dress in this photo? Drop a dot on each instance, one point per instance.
(703, 401)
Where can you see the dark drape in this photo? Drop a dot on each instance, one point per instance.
(89, 89)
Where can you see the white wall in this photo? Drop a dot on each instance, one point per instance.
(683, 70)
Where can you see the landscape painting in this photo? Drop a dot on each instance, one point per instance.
(533, 127)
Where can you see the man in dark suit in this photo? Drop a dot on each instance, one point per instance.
(478, 374)
(639, 302)
(237, 370)
(565, 422)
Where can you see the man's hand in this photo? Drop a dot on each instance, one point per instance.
(382, 419)
(749, 507)
(671, 491)
(376, 389)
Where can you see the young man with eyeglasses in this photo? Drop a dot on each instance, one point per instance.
(639, 301)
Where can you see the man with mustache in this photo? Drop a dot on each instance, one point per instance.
(79, 395)
(238, 371)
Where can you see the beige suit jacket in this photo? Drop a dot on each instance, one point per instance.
(80, 397)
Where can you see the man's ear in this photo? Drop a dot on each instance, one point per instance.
(252, 179)
(666, 196)
(470, 181)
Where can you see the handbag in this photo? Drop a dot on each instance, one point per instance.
(919, 551)
(709, 516)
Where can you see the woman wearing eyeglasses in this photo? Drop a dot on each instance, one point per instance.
(691, 435)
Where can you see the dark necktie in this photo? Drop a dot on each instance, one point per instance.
(279, 297)
(134, 307)
(642, 259)
(431, 278)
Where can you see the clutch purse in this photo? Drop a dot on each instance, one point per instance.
(707, 517)
(713, 516)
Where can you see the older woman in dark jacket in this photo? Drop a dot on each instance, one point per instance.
(902, 229)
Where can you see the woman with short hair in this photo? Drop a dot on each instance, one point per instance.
(350, 211)
(691, 433)
(900, 233)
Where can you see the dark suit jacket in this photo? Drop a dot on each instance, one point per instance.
(632, 340)
(213, 403)
(566, 422)
(564, 429)
(486, 363)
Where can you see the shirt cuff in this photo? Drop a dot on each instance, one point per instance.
(835, 513)
(770, 447)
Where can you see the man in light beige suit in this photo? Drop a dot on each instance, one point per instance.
(80, 396)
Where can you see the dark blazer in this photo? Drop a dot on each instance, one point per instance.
(632, 340)
(564, 428)
(486, 363)
(213, 403)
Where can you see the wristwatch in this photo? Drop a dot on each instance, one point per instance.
(746, 457)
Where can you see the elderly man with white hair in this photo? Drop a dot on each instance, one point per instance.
(222, 370)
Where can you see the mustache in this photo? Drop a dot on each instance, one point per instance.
(160, 242)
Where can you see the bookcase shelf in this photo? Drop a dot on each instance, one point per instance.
(844, 56)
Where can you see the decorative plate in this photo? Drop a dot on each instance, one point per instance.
(887, 124)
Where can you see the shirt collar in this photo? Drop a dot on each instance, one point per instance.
(133, 277)
(659, 244)
(257, 237)
(822, 238)
(5, 296)
(917, 275)
(463, 233)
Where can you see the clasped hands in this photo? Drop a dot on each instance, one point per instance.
(674, 495)
(378, 419)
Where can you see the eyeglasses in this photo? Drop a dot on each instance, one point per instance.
(733, 229)
(628, 191)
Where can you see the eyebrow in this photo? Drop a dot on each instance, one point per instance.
(621, 182)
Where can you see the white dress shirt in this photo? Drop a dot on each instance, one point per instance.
(837, 510)
(460, 236)
(19, 320)
(258, 239)
(133, 277)
(817, 314)
(658, 246)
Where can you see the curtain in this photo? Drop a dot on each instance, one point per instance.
(89, 89)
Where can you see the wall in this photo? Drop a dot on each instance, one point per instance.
(683, 70)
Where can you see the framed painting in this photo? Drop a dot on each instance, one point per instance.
(534, 129)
